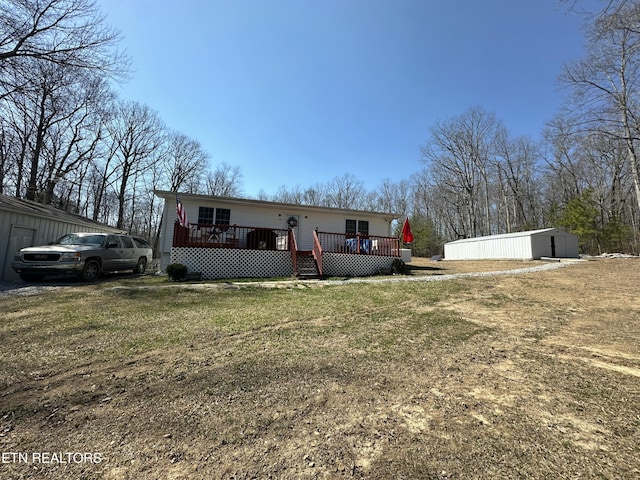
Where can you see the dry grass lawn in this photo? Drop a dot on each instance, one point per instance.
(533, 375)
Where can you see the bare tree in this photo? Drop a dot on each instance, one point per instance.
(136, 135)
(184, 162)
(56, 120)
(606, 82)
(314, 195)
(293, 195)
(392, 197)
(73, 142)
(345, 192)
(459, 157)
(69, 33)
(516, 164)
(224, 181)
(8, 144)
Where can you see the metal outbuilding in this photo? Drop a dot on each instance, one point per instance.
(530, 245)
(24, 223)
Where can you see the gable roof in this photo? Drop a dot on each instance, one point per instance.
(28, 207)
(528, 233)
(248, 201)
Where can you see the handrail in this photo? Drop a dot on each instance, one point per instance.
(317, 252)
(293, 248)
(359, 244)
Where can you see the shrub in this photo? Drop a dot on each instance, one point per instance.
(177, 272)
(398, 267)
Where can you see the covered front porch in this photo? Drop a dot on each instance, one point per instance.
(234, 251)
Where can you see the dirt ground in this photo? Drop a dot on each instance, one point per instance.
(532, 375)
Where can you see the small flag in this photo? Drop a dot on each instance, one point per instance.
(407, 236)
(182, 214)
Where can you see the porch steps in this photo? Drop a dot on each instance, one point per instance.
(307, 267)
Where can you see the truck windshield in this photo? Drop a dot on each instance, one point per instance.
(72, 239)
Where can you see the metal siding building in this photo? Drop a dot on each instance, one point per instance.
(24, 223)
(530, 245)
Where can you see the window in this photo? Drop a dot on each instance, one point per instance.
(112, 241)
(126, 242)
(141, 242)
(214, 216)
(354, 227)
(223, 216)
(206, 215)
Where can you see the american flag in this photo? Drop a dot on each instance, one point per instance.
(182, 214)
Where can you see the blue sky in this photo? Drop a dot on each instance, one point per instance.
(297, 92)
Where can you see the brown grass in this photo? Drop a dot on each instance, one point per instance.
(515, 376)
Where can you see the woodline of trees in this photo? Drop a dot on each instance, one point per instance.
(66, 139)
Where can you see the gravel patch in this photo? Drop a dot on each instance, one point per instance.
(436, 278)
(22, 289)
(394, 279)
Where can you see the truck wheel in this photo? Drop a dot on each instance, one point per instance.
(91, 271)
(141, 267)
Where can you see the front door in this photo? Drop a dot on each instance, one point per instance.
(19, 237)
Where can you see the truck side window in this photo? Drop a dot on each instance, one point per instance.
(126, 242)
(111, 239)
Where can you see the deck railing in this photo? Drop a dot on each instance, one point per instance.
(361, 244)
(230, 236)
(261, 238)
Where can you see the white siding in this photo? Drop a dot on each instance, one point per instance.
(522, 245)
(519, 247)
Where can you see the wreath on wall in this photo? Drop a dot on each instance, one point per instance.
(292, 222)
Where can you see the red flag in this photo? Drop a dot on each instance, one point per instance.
(407, 236)
(182, 214)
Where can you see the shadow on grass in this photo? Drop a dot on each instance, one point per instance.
(421, 270)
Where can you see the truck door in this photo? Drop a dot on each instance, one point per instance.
(129, 258)
(113, 254)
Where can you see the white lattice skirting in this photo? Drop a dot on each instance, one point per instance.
(350, 265)
(236, 263)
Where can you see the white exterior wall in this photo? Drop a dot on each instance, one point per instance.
(487, 248)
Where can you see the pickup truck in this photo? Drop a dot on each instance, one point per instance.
(85, 255)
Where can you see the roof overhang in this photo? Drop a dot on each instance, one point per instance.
(388, 216)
